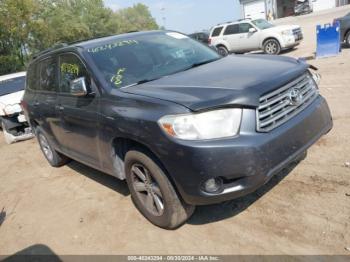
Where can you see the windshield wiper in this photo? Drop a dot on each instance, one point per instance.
(201, 63)
(142, 82)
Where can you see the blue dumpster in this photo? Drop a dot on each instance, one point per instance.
(328, 40)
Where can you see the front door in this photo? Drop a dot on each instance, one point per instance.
(78, 114)
(248, 41)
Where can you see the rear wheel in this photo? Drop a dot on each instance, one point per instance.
(152, 193)
(222, 50)
(54, 158)
(272, 47)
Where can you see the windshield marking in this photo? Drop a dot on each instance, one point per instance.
(70, 68)
(112, 46)
(117, 79)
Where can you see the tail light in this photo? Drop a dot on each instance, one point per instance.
(24, 105)
(209, 41)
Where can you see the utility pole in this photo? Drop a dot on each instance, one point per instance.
(163, 16)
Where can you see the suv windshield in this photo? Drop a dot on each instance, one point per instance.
(262, 24)
(143, 58)
(12, 85)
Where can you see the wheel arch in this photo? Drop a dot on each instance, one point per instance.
(121, 145)
(346, 33)
(270, 38)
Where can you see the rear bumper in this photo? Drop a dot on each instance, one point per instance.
(247, 161)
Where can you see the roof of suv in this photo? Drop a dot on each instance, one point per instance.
(234, 22)
(91, 42)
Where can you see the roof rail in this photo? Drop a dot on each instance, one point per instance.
(54, 47)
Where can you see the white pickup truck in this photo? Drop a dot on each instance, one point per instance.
(13, 122)
(252, 35)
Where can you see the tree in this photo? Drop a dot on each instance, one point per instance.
(29, 26)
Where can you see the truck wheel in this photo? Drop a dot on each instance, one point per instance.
(152, 193)
(222, 50)
(54, 158)
(347, 39)
(272, 47)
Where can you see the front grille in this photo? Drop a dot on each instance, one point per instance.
(298, 35)
(279, 106)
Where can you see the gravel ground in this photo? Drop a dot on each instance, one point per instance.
(77, 210)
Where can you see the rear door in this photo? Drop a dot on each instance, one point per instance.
(78, 115)
(231, 36)
(46, 98)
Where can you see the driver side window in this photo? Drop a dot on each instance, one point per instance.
(71, 68)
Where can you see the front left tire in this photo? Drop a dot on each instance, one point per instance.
(272, 47)
(152, 192)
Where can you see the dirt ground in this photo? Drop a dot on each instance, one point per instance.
(77, 210)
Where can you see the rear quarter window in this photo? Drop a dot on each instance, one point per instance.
(216, 31)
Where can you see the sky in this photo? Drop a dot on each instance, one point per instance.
(187, 16)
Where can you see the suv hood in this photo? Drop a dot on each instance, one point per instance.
(280, 28)
(233, 80)
(11, 100)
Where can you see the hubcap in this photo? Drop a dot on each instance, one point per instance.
(271, 48)
(46, 147)
(147, 189)
(222, 51)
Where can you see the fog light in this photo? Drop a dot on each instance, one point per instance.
(213, 185)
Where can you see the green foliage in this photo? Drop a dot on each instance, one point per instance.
(29, 26)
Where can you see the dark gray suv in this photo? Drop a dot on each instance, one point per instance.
(183, 125)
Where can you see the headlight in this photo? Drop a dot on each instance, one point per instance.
(316, 77)
(287, 32)
(12, 109)
(208, 125)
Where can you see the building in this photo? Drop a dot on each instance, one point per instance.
(281, 8)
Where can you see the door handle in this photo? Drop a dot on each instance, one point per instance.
(59, 108)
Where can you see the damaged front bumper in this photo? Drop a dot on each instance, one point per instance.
(15, 128)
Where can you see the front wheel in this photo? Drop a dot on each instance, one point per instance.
(152, 193)
(347, 39)
(272, 47)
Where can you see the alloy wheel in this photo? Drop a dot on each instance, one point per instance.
(147, 190)
(46, 147)
(271, 47)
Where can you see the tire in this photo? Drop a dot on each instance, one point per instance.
(54, 158)
(272, 47)
(222, 50)
(347, 39)
(152, 193)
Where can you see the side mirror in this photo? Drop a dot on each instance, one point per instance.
(252, 30)
(78, 87)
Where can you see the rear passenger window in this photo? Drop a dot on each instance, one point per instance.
(71, 68)
(217, 31)
(232, 29)
(48, 79)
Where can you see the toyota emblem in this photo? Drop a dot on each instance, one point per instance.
(295, 97)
